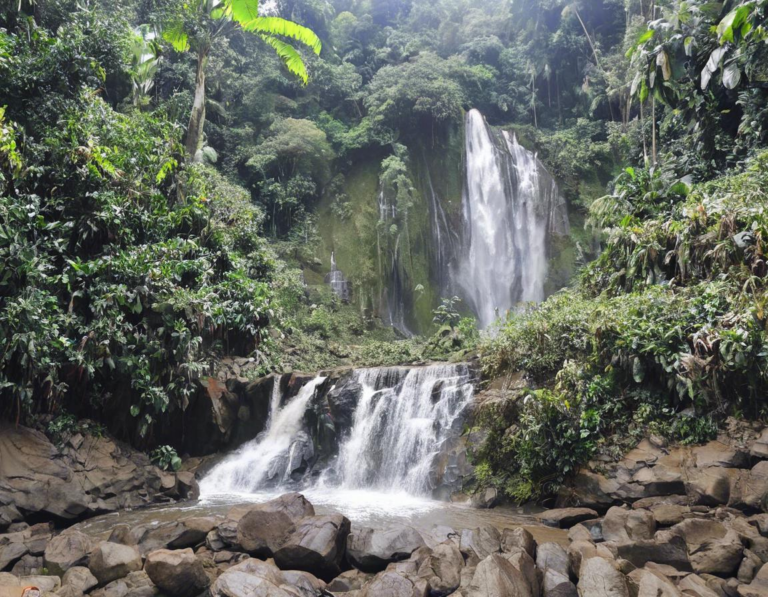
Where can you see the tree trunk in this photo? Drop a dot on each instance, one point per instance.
(653, 127)
(194, 142)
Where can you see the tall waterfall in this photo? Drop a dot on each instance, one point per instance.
(398, 428)
(398, 423)
(511, 204)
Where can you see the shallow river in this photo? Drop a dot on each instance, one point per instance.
(364, 508)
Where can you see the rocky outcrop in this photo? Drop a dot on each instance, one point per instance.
(176, 572)
(83, 476)
(372, 550)
(316, 546)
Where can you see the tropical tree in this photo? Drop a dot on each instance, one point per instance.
(200, 22)
(145, 58)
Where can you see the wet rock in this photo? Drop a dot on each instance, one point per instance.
(294, 505)
(110, 561)
(80, 578)
(123, 534)
(600, 578)
(372, 550)
(262, 533)
(317, 546)
(176, 572)
(46, 584)
(69, 549)
(565, 518)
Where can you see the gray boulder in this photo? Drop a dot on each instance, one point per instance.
(565, 518)
(80, 578)
(261, 533)
(600, 578)
(256, 578)
(391, 583)
(372, 550)
(477, 544)
(518, 538)
(663, 549)
(496, 576)
(176, 572)
(317, 546)
(552, 561)
(442, 569)
(110, 561)
(69, 549)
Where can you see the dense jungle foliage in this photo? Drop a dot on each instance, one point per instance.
(163, 164)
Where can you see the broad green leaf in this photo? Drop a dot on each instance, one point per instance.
(244, 11)
(290, 57)
(645, 36)
(643, 91)
(731, 75)
(177, 37)
(277, 26)
(688, 45)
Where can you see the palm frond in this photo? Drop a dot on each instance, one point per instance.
(243, 11)
(177, 37)
(290, 57)
(276, 26)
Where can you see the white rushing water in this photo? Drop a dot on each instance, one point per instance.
(402, 418)
(511, 204)
(268, 456)
(398, 430)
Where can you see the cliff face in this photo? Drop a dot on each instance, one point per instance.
(398, 258)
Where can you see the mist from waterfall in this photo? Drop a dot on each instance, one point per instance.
(511, 204)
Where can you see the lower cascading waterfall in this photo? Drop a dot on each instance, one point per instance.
(401, 420)
(268, 456)
(397, 430)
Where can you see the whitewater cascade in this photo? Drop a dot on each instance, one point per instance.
(338, 283)
(398, 428)
(269, 456)
(399, 423)
(511, 205)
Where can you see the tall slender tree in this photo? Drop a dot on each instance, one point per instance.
(200, 22)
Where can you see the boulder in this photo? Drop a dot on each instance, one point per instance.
(110, 561)
(552, 561)
(256, 578)
(294, 505)
(496, 575)
(12, 548)
(69, 549)
(28, 565)
(667, 515)
(82, 476)
(695, 586)
(46, 584)
(317, 546)
(527, 567)
(759, 585)
(136, 584)
(647, 583)
(759, 447)
(442, 569)
(477, 544)
(8, 515)
(600, 578)
(176, 572)
(662, 549)
(749, 567)
(518, 538)
(351, 580)
(125, 535)
(391, 583)
(80, 578)
(712, 548)
(372, 550)
(565, 518)
(485, 499)
(622, 525)
(578, 551)
(261, 533)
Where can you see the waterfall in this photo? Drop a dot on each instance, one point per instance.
(398, 429)
(392, 431)
(511, 205)
(269, 457)
(338, 283)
